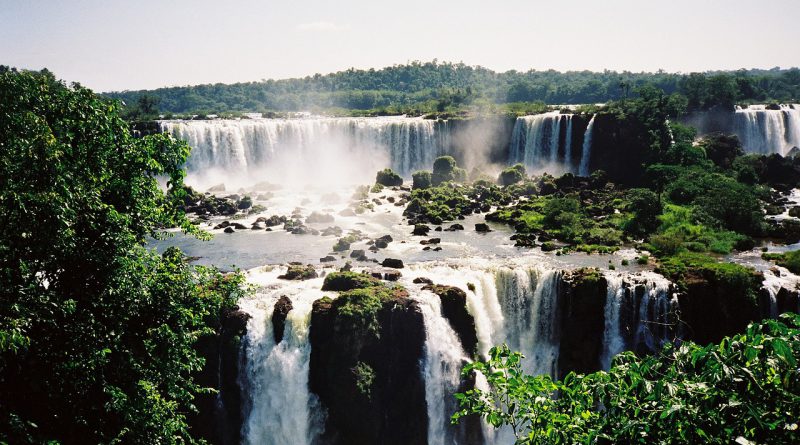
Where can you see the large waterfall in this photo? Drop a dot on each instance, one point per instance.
(545, 142)
(767, 131)
(586, 153)
(514, 302)
(323, 150)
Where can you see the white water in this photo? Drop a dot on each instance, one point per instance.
(282, 410)
(654, 327)
(327, 150)
(537, 143)
(613, 343)
(765, 131)
(444, 358)
(586, 153)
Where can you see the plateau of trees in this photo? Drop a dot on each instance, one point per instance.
(434, 87)
(97, 332)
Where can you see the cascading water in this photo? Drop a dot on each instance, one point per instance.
(444, 358)
(586, 153)
(613, 343)
(539, 143)
(766, 131)
(326, 149)
(536, 141)
(280, 409)
(528, 298)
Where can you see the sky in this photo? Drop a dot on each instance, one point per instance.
(113, 45)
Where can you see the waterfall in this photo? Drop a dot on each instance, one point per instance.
(444, 357)
(528, 298)
(655, 316)
(766, 131)
(583, 170)
(281, 409)
(325, 149)
(536, 141)
(613, 343)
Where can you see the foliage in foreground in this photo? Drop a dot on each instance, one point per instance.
(744, 389)
(97, 333)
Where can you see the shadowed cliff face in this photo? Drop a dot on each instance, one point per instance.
(219, 418)
(582, 298)
(370, 381)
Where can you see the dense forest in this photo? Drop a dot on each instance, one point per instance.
(418, 88)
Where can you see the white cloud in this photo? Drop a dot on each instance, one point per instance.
(321, 27)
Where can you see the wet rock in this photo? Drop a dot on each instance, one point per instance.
(392, 275)
(394, 263)
(327, 259)
(454, 227)
(347, 212)
(317, 217)
(258, 226)
(275, 220)
(437, 249)
(386, 238)
(431, 241)
(239, 226)
(332, 231)
(454, 309)
(422, 280)
(298, 271)
(438, 229)
(421, 230)
(217, 188)
(359, 255)
(222, 225)
(482, 228)
(282, 308)
(426, 248)
(229, 230)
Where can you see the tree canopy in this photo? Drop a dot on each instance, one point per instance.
(96, 331)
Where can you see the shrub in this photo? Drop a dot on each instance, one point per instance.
(421, 179)
(443, 168)
(512, 175)
(387, 177)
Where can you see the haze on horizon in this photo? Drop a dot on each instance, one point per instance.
(116, 45)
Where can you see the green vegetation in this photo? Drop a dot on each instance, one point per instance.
(364, 377)
(512, 175)
(97, 333)
(360, 298)
(789, 260)
(446, 170)
(421, 179)
(450, 90)
(743, 390)
(387, 177)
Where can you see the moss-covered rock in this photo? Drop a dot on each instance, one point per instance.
(387, 177)
(512, 175)
(454, 309)
(299, 271)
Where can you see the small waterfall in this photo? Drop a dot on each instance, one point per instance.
(586, 154)
(444, 358)
(327, 149)
(568, 143)
(766, 131)
(529, 302)
(657, 305)
(536, 141)
(613, 343)
(281, 409)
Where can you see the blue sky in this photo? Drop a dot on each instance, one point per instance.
(117, 45)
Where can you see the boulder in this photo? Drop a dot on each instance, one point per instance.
(482, 227)
(217, 188)
(317, 217)
(421, 230)
(327, 259)
(454, 227)
(454, 309)
(393, 263)
(282, 308)
(422, 280)
(298, 271)
(229, 230)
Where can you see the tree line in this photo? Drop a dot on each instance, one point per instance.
(433, 86)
